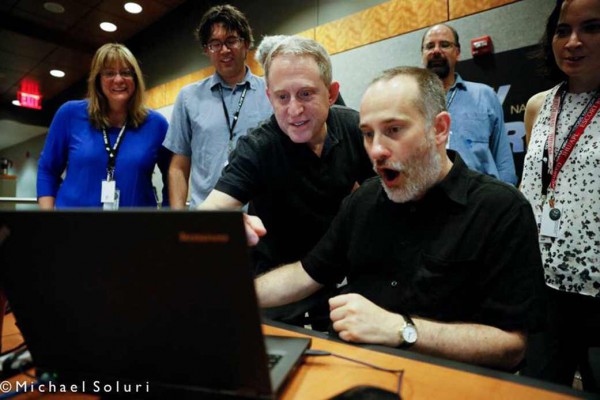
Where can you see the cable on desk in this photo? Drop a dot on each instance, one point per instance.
(13, 349)
(321, 353)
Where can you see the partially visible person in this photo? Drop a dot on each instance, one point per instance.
(106, 145)
(437, 257)
(560, 179)
(297, 167)
(477, 131)
(209, 116)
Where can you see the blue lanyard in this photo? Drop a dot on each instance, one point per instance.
(449, 101)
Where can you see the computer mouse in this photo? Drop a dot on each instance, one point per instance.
(365, 392)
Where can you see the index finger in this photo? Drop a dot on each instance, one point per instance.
(338, 301)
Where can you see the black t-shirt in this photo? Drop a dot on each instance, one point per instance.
(295, 192)
(467, 251)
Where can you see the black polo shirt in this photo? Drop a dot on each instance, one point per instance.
(295, 192)
(467, 251)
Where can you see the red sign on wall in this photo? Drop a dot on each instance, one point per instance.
(29, 96)
(30, 100)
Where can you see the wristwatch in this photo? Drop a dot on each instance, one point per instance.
(408, 333)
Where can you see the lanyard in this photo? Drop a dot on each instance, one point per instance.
(450, 99)
(550, 170)
(236, 114)
(112, 152)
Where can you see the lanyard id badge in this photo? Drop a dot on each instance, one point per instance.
(449, 99)
(236, 115)
(550, 223)
(109, 194)
(553, 161)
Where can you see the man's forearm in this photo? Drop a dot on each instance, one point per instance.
(178, 189)
(284, 285)
(471, 343)
(179, 175)
(357, 319)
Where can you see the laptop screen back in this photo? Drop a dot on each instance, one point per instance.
(164, 297)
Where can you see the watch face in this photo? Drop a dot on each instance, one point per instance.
(409, 334)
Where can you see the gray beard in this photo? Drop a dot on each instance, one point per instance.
(422, 174)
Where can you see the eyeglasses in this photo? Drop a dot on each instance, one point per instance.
(112, 74)
(232, 43)
(444, 45)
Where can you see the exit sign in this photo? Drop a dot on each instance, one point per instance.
(30, 100)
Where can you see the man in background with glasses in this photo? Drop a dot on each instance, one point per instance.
(477, 131)
(210, 115)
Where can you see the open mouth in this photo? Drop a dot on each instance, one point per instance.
(390, 174)
(574, 59)
(301, 123)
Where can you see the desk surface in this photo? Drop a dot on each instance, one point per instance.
(323, 377)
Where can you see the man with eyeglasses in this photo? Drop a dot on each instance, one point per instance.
(477, 131)
(209, 116)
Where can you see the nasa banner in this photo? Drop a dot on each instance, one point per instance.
(515, 76)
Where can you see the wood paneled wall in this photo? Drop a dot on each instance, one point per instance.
(386, 20)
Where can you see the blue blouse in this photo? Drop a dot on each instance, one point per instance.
(75, 147)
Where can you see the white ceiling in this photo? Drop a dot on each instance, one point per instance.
(13, 133)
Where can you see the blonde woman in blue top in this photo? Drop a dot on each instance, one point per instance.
(106, 145)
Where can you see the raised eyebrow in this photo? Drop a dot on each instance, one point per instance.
(385, 122)
(391, 121)
(591, 21)
(364, 127)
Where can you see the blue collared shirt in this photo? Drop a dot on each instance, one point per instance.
(198, 127)
(477, 132)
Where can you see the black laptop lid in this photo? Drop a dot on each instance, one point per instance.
(125, 295)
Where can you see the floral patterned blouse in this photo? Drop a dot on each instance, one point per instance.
(572, 260)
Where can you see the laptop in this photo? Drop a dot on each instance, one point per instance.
(161, 300)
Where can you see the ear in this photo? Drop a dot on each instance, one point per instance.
(442, 128)
(334, 91)
(268, 93)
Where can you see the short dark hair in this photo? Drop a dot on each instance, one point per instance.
(550, 69)
(432, 97)
(456, 41)
(233, 19)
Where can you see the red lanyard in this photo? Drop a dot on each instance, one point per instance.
(582, 122)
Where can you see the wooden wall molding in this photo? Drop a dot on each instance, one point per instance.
(462, 8)
(383, 21)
